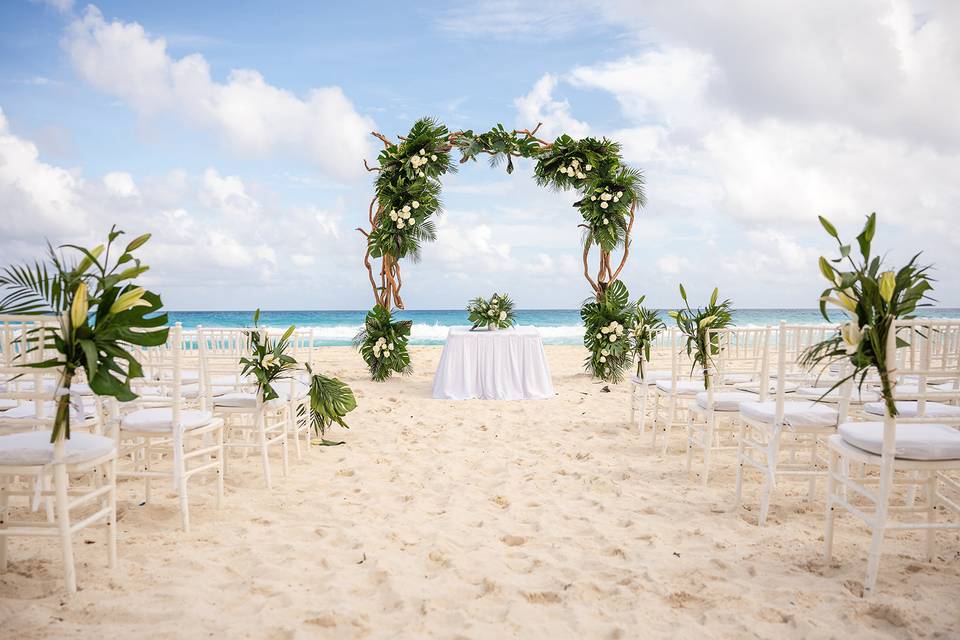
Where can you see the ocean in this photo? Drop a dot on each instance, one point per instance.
(557, 326)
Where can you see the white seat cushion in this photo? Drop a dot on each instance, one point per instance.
(737, 378)
(928, 441)
(684, 387)
(161, 419)
(908, 409)
(236, 399)
(7, 403)
(28, 410)
(754, 387)
(834, 395)
(795, 413)
(725, 400)
(652, 377)
(34, 448)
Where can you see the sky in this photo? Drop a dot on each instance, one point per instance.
(235, 133)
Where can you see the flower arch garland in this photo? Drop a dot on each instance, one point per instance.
(407, 195)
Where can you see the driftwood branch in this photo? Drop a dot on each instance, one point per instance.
(369, 168)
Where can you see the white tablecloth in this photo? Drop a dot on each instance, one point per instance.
(508, 364)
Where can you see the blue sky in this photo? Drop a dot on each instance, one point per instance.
(235, 132)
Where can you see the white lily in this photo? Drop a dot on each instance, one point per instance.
(852, 335)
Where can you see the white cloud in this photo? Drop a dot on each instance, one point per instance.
(121, 184)
(35, 197)
(539, 106)
(251, 115)
(672, 264)
(211, 237)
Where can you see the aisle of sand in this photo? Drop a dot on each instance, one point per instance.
(479, 519)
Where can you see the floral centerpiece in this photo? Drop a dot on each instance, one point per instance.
(101, 313)
(383, 344)
(872, 297)
(647, 326)
(608, 323)
(268, 361)
(495, 313)
(696, 325)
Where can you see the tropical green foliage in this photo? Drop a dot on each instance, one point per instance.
(383, 344)
(696, 325)
(495, 313)
(647, 325)
(330, 401)
(608, 323)
(102, 313)
(408, 192)
(268, 361)
(873, 297)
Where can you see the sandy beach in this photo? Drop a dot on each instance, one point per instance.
(479, 519)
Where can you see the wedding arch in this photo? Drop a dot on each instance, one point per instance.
(407, 194)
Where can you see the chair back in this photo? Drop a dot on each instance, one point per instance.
(220, 369)
(923, 357)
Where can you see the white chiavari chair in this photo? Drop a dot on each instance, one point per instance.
(915, 449)
(82, 469)
(743, 357)
(165, 440)
(251, 422)
(782, 437)
(671, 395)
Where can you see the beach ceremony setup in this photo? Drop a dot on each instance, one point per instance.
(664, 338)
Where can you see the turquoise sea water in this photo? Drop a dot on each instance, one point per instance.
(558, 326)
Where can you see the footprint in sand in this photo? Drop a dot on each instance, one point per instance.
(513, 541)
(500, 501)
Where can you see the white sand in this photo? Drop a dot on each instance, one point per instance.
(479, 519)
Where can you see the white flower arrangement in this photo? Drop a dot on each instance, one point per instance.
(495, 313)
(575, 169)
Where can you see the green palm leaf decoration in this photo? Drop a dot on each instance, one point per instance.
(101, 313)
(701, 345)
(382, 343)
(608, 323)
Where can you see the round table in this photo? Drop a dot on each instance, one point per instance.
(505, 364)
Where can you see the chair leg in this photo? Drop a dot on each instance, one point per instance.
(286, 453)
(689, 431)
(292, 426)
(146, 467)
(741, 452)
(931, 511)
(873, 558)
(708, 437)
(60, 484)
(264, 454)
(633, 403)
(4, 498)
(181, 476)
(831, 511)
(642, 417)
(671, 416)
(112, 517)
(222, 468)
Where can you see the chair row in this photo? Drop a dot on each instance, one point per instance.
(787, 421)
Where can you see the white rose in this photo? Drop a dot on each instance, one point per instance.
(503, 315)
(604, 205)
(420, 174)
(399, 224)
(415, 204)
(603, 359)
(593, 198)
(606, 196)
(619, 194)
(563, 169)
(390, 345)
(589, 167)
(619, 331)
(393, 215)
(570, 171)
(490, 313)
(423, 152)
(406, 208)
(605, 330)
(406, 215)
(613, 337)
(604, 352)
(575, 162)
(605, 221)
(433, 158)
(581, 176)
(599, 336)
